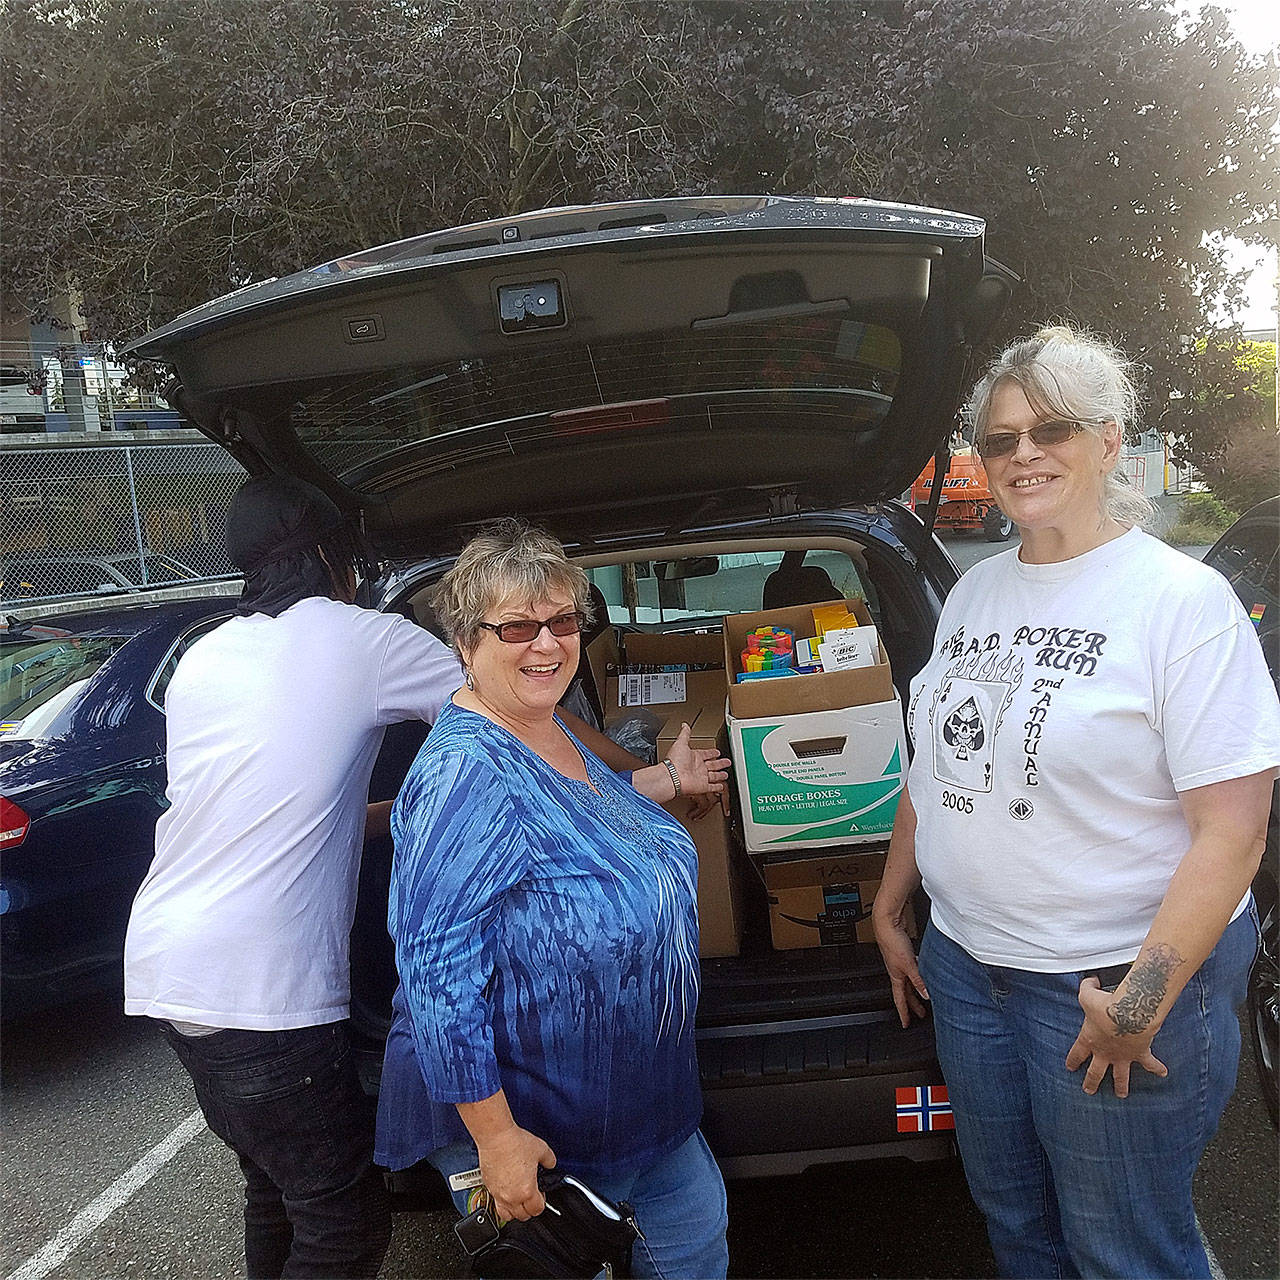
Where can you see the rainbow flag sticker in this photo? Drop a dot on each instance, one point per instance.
(1255, 614)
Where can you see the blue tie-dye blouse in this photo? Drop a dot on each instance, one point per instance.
(547, 943)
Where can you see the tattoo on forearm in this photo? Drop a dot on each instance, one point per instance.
(1146, 987)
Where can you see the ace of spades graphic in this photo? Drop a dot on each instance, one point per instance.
(966, 718)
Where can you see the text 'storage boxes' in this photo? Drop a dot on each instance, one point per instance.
(820, 760)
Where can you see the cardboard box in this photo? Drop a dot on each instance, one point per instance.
(720, 865)
(653, 646)
(701, 688)
(822, 902)
(819, 778)
(788, 695)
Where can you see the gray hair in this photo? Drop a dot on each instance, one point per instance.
(1071, 374)
(509, 559)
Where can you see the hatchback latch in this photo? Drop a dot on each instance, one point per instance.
(783, 502)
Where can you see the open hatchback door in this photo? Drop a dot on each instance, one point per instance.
(623, 367)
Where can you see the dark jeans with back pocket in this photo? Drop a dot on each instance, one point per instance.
(289, 1104)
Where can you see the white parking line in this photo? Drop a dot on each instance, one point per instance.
(1215, 1267)
(60, 1248)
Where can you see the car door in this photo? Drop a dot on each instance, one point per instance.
(1248, 555)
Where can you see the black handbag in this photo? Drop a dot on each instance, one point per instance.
(578, 1235)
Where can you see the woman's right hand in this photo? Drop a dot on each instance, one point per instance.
(509, 1163)
(889, 913)
(899, 956)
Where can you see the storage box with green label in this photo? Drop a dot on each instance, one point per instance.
(819, 778)
(819, 760)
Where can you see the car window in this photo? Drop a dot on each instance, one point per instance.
(1250, 561)
(164, 673)
(655, 593)
(34, 671)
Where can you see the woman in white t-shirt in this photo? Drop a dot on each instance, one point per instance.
(1095, 739)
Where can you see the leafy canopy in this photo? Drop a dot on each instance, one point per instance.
(1230, 433)
(161, 152)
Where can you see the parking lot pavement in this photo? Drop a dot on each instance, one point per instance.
(108, 1172)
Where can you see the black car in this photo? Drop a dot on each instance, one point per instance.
(1248, 554)
(711, 401)
(82, 782)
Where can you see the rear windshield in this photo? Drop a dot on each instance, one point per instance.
(652, 594)
(35, 671)
(357, 418)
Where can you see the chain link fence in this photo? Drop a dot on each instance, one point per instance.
(85, 521)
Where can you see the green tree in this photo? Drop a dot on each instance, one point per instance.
(1230, 434)
(160, 152)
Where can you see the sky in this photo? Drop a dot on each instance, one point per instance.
(1257, 27)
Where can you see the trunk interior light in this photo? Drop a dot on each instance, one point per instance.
(14, 824)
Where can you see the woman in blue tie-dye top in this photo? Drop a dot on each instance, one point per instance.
(544, 914)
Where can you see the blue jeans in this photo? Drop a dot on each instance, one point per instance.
(679, 1202)
(289, 1104)
(1074, 1185)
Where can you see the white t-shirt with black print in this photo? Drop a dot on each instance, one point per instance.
(1062, 710)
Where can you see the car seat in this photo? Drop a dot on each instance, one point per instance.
(794, 582)
(582, 694)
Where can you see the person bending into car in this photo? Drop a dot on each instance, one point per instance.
(546, 932)
(1096, 736)
(238, 939)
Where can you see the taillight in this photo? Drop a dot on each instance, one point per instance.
(14, 824)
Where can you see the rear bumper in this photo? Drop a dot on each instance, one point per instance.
(785, 1093)
(778, 1100)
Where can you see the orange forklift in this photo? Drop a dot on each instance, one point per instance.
(966, 502)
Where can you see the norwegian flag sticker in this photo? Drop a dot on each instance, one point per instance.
(924, 1108)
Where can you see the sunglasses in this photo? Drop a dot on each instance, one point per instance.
(1045, 434)
(525, 630)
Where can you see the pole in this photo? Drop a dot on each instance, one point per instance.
(137, 520)
(106, 389)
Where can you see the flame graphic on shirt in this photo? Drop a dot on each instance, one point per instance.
(967, 711)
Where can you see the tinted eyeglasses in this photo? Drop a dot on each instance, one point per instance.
(525, 630)
(999, 444)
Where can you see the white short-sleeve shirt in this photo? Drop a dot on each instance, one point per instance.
(273, 725)
(1063, 709)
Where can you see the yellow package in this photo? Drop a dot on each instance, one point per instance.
(832, 617)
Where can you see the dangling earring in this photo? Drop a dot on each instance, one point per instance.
(467, 680)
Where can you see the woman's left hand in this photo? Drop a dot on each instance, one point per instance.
(702, 770)
(1101, 1044)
